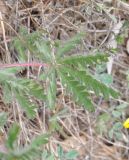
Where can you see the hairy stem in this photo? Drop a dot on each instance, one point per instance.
(33, 64)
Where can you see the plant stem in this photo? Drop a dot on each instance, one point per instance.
(33, 64)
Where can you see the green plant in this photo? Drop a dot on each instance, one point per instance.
(72, 71)
(21, 89)
(10, 149)
(109, 123)
(31, 151)
(71, 155)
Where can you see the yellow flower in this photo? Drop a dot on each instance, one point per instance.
(126, 123)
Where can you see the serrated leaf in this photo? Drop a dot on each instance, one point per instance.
(37, 93)
(20, 87)
(60, 152)
(34, 42)
(28, 107)
(7, 94)
(40, 140)
(5, 76)
(3, 118)
(84, 60)
(20, 49)
(12, 136)
(77, 89)
(44, 49)
(17, 84)
(70, 44)
(51, 88)
(11, 71)
(31, 87)
(26, 153)
(92, 83)
(34, 88)
(32, 151)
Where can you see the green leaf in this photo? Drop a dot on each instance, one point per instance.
(31, 151)
(118, 135)
(26, 153)
(40, 140)
(104, 117)
(88, 60)
(29, 86)
(6, 75)
(77, 89)
(21, 49)
(7, 94)
(101, 127)
(34, 42)
(117, 126)
(60, 152)
(33, 88)
(44, 50)
(47, 156)
(22, 89)
(120, 39)
(122, 106)
(70, 44)
(116, 114)
(102, 121)
(26, 105)
(37, 93)
(11, 71)
(116, 131)
(50, 157)
(51, 88)
(16, 84)
(3, 118)
(105, 78)
(91, 83)
(100, 68)
(110, 133)
(71, 155)
(12, 136)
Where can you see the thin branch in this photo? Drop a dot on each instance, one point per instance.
(33, 64)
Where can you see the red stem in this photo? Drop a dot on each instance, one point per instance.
(33, 64)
